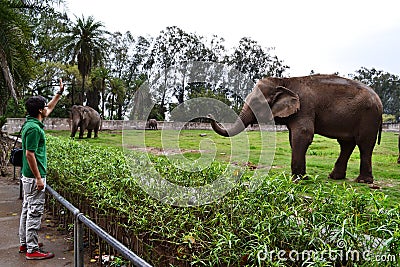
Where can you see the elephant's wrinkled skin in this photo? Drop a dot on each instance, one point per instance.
(86, 118)
(335, 107)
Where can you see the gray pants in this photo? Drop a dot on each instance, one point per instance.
(31, 214)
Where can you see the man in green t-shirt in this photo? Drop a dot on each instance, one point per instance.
(34, 166)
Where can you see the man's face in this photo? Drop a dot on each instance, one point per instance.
(44, 111)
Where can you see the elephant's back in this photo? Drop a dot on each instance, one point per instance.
(345, 88)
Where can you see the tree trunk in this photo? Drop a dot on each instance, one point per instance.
(93, 99)
(119, 112)
(103, 88)
(7, 74)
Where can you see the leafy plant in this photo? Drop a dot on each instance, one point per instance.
(278, 219)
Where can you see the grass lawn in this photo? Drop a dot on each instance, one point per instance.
(281, 215)
(245, 150)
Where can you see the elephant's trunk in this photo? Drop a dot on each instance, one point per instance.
(246, 117)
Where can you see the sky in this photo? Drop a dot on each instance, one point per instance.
(323, 36)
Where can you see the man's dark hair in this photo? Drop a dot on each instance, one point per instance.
(33, 104)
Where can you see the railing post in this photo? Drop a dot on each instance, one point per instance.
(78, 242)
(79, 221)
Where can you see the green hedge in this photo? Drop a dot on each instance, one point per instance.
(243, 228)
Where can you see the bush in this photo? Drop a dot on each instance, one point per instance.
(271, 226)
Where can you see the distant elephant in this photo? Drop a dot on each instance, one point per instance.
(153, 124)
(329, 105)
(86, 118)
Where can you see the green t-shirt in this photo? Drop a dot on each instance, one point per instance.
(33, 139)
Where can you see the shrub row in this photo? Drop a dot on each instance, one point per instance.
(271, 226)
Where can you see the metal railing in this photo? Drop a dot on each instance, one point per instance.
(79, 220)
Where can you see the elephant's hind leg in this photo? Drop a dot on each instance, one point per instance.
(366, 140)
(365, 165)
(366, 144)
(346, 149)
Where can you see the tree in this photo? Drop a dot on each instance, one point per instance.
(44, 83)
(173, 52)
(116, 97)
(100, 76)
(85, 42)
(125, 60)
(48, 31)
(254, 61)
(119, 53)
(386, 85)
(163, 55)
(202, 89)
(16, 60)
(136, 74)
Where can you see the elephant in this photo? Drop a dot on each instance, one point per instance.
(86, 118)
(152, 124)
(328, 105)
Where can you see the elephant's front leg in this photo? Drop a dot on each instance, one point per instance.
(73, 130)
(300, 140)
(346, 148)
(81, 132)
(89, 134)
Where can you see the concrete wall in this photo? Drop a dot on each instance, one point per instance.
(13, 125)
(391, 127)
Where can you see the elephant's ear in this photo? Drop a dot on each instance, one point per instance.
(285, 102)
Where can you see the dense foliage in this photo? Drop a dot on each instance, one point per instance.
(386, 85)
(103, 69)
(271, 226)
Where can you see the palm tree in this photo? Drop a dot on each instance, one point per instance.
(15, 54)
(86, 44)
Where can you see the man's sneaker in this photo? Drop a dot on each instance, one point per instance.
(39, 255)
(22, 249)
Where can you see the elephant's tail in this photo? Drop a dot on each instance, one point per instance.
(379, 134)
